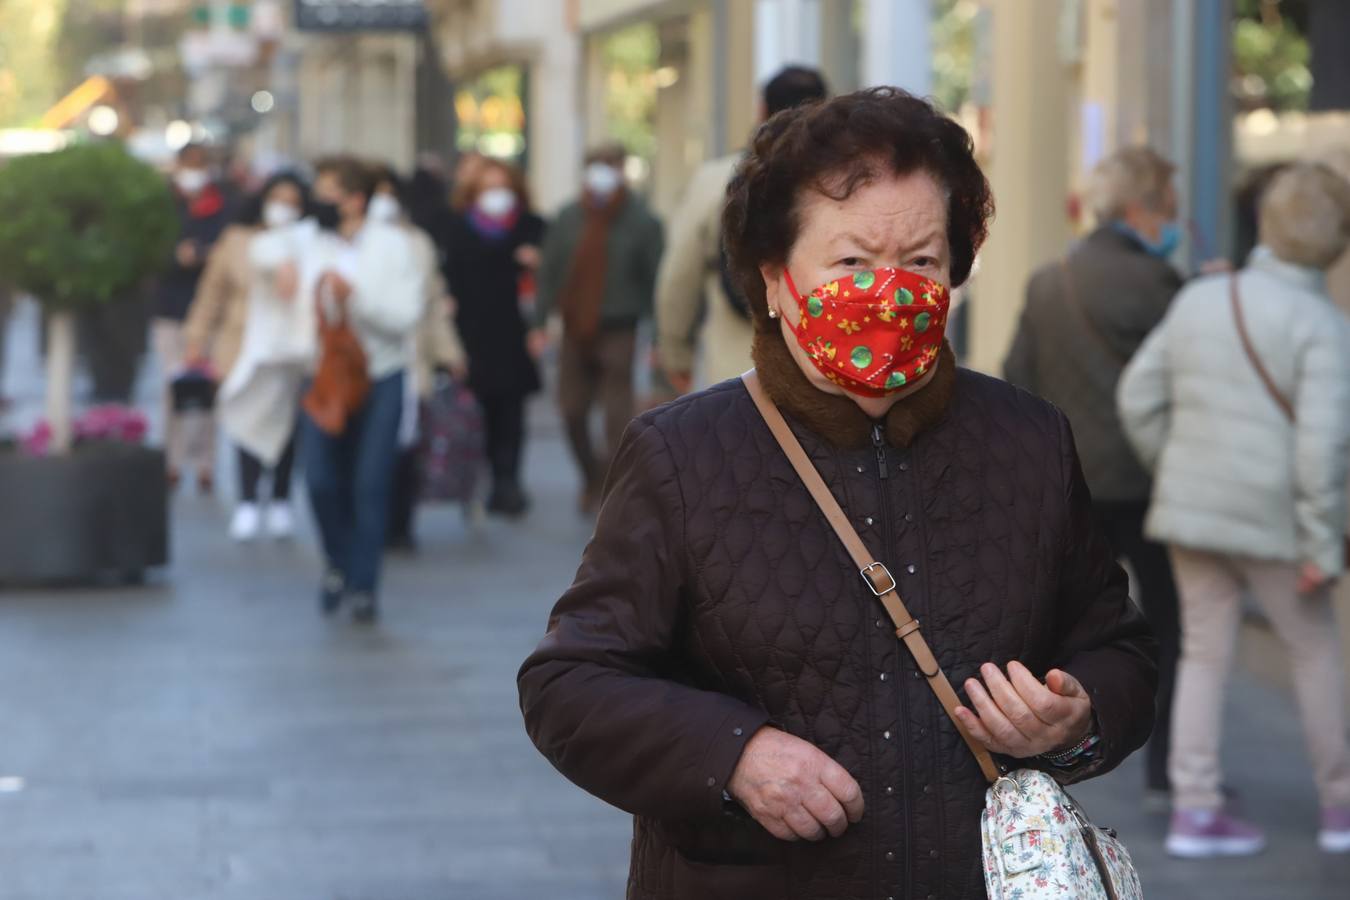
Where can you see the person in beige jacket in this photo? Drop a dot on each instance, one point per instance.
(692, 283)
(226, 314)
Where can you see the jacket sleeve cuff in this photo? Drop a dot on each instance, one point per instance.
(1110, 701)
(724, 754)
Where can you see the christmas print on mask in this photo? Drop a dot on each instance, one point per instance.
(873, 333)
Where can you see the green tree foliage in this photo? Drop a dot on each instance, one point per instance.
(1270, 55)
(954, 39)
(630, 58)
(83, 225)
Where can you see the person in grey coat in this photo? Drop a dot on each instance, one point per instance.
(1240, 405)
(1084, 317)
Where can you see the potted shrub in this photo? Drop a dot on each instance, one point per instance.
(80, 227)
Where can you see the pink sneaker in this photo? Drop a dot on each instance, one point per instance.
(1335, 834)
(1201, 834)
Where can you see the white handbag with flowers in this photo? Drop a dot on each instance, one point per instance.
(1038, 844)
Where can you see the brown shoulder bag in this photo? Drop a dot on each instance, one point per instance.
(342, 380)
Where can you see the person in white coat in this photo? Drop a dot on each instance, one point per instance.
(1240, 404)
(371, 271)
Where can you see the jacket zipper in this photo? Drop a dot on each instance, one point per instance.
(883, 474)
(879, 444)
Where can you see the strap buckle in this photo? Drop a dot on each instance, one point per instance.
(867, 576)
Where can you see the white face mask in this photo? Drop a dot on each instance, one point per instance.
(383, 208)
(497, 202)
(190, 181)
(278, 215)
(602, 179)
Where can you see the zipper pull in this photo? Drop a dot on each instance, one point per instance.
(879, 443)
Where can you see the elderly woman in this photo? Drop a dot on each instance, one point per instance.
(720, 670)
(1240, 403)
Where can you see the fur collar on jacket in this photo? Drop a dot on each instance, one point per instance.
(838, 419)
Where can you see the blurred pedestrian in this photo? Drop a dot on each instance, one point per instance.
(365, 273)
(1240, 404)
(464, 179)
(694, 282)
(1084, 317)
(428, 200)
(492, 247)
(437, 347)
(719, 669)
(599, 273)
(242, 326)
(203, 215)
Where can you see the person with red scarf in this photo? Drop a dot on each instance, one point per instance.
(202, 216)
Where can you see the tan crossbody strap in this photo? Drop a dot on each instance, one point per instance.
(876, 576)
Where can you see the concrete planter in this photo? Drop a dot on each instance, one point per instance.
(99, 512)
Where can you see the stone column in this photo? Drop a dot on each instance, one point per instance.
(1030, 172)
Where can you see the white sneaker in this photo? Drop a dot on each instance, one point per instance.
(280, 524)
(247, 519)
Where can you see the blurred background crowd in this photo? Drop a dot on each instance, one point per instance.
(482, 201)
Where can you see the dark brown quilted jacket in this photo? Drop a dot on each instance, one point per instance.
(714, 599)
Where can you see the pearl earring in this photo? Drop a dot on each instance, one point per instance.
(773, 313)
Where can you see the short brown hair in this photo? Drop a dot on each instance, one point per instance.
(1305, 215)
(835, 147)
(355, 175)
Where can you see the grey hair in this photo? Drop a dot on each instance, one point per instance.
(1305, 215)
(1131, 175)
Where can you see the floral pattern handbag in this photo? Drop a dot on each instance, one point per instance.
(1038, 844)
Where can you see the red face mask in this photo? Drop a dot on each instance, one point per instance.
(873, 333)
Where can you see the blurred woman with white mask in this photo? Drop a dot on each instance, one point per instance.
(242, 327)
(492, 253)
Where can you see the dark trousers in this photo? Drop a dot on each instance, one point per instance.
(504, 424)
(251, 470)
(597, 369)
(1123, 524)
(350, 476)
(403, 498)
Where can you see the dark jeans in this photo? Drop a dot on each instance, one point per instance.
(504, 424)
(350, 477)
(1123, 524)
(251, 470)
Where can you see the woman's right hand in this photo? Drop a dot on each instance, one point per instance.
(794, 789)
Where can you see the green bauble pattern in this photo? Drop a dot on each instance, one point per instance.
(904, 297)
(861, 357)
(895, 380)
(815, 307)
(921, 322)
(864, 280)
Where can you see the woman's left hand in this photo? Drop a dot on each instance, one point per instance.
(1016, 715)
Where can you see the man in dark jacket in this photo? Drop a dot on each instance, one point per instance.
(599, 272)
(1084, 318)
(202, 216)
